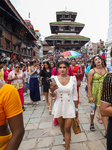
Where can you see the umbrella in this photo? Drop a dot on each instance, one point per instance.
(70, 54)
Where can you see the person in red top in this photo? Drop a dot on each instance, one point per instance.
(77, 72)
(83, 68)
(6, 73)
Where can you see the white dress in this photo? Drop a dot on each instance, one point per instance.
(66, 95)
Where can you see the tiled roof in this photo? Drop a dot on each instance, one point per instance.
(67, 23)
(19, 17)
(56, 36)
(66, 12)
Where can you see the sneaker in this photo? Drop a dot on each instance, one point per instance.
(43, 97)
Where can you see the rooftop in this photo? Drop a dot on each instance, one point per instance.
(66, 12)
(66, 37)
(67, 23)
(8, 2)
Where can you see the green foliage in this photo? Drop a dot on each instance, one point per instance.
(66, 12)
(67, 23)
(66, 37)
(100, 49)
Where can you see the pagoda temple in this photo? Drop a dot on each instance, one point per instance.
(66, 32)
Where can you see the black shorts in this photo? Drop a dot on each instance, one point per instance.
(46, 88)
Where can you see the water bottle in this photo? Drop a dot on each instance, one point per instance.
(78, 71)
(92, 108)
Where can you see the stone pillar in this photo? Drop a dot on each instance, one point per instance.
(109, 43)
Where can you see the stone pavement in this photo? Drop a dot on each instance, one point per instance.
(41, 134)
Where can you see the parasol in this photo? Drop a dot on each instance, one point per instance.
(70, 54)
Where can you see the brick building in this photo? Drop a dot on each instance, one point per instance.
(15, 35)
(46, 48)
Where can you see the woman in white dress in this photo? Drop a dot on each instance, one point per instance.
(66, 106)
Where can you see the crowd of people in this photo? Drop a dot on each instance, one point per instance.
(58, 80)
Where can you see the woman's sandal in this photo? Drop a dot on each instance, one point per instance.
(92, 128)
(50, 112)
(63, 142)
(36, 103)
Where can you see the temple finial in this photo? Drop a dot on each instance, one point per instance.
(65, 8)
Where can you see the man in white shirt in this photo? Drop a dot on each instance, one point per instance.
(26, 79)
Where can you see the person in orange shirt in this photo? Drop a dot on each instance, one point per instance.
(10, 114)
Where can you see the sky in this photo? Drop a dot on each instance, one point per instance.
(93, 13)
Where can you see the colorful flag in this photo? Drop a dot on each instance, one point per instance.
(103, 56)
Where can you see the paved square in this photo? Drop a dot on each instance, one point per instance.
(41, 134)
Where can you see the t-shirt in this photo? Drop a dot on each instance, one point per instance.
(26, 76)
(88, 69)
(6, 73)
(77, 69)
(10, 104)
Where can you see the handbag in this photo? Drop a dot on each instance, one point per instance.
(75, 126)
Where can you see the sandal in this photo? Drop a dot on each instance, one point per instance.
(36, 103)
(92, 128)
(63, 142)
(50, 112)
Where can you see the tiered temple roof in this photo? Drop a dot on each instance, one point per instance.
(66, 32)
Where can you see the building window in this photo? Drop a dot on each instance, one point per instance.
(67, 42)
(7, 44)
(8, 25)
(33, 53)
(67, 28)
(18, 48)
(25, 51)
(28, 52)
(67, 16)
(60, 28)
(58, 42)
(14, 47)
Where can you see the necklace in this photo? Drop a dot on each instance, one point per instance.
(63, 77)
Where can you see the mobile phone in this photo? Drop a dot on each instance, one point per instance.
(52, 80)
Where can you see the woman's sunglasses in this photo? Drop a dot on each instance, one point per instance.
(17, 67)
